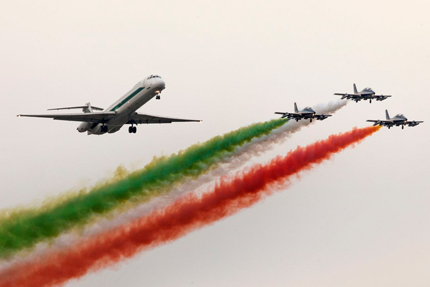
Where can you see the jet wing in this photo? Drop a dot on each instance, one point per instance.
(413, 123)
(376, 122)
(348, 96)
(381, 97)
(322, 117)
(149, 119)
(381, 123)
(95, 117)
(289, 115)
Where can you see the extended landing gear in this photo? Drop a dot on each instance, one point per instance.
(403, 127)
(311, 120)
(370, 101)
(157, 95)
(104, 129)
(132, 130)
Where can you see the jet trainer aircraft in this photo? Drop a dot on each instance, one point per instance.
(398, 120)
(120, 113)
(306, 113)
(365, 94)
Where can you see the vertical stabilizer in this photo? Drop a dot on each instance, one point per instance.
(387, 116)
(296, 110)
(355, 89)
(87, 108)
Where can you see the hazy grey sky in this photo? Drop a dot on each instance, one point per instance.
(359, 220)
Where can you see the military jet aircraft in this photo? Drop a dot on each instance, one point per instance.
(306, 113)
(365, 94)
(397, 120)
(121, 112)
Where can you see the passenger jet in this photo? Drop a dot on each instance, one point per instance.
(122, 112)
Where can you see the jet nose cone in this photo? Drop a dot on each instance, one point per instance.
(160, 84)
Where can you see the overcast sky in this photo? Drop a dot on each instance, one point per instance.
(359, 220)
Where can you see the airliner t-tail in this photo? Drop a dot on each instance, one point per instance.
(306, 113)
(122, 112)
(365, 94)
(397, 120)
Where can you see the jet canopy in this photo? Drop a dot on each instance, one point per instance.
(367, 89)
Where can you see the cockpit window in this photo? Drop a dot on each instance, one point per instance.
(308, 108)
(153, 76)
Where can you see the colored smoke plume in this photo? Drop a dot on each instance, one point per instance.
(24, 228)
(188, 213)
(127, 212)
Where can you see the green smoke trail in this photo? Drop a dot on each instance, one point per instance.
(25, 228)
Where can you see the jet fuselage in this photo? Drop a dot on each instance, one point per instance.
(127, 105)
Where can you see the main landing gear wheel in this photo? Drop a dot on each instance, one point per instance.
(132, 130)
(104, 129)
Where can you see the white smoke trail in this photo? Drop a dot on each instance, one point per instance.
(227, 164)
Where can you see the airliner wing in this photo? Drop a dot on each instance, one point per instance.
(149, 119)
(95, 117)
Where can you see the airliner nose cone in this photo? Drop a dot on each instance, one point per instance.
(161, 84)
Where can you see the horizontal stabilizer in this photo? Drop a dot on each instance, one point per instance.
(77, 107)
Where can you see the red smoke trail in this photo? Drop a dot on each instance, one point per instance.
(187, 214)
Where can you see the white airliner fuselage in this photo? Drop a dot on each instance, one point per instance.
(121, 112)
(126, 106)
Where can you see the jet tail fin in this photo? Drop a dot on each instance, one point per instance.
(387, 116)
(296, 110)
(355, 89)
